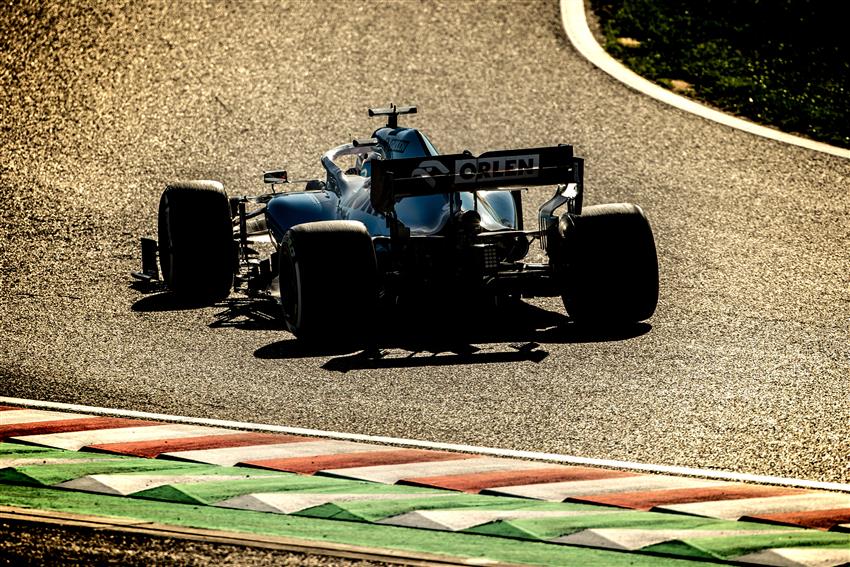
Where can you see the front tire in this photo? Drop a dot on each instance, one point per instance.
(329, 281)
(196, 247)
(608, 265)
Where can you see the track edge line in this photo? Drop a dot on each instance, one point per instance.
(574, 23)
(491, 451)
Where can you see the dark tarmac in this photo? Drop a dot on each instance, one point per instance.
(34, 543)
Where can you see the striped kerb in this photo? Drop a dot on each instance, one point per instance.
(390, 474)
(81, 423)
(455, 520)
(51, 437)
(760, 507)
(814, 557)
(313, 464)
(476, 482)
(131, 483)
(229, 456)
(634, 539)
(290, 503)
(819, 519)
(646, 500)
(154, 448)
(559, 491)
(76, 440)
(18, 415)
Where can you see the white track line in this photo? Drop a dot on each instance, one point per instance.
(531, 455)
(574, 21)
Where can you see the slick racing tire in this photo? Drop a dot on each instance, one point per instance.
(196, 246)
(609, 271)
(329, 281)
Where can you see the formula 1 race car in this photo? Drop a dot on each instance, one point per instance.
(395, 219)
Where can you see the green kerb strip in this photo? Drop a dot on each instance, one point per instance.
(98, 463)
(212, 492)
(16, 450)
(734, 546)
(189, 504)
(351, 533)
(59, 454)
(376, 510)
(550, 528)
(503, 528)
(54, 474)
(176, 468)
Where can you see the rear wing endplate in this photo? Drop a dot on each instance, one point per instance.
(396, 179)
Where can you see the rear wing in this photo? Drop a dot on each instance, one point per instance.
(396, 179)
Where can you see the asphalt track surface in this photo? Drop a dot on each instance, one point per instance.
(33, 543)
(744, 366)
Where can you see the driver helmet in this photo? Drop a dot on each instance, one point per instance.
(364, 163)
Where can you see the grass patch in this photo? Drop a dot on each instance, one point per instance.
(784, 63)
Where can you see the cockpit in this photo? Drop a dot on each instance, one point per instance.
(395, 143)
(349, 170)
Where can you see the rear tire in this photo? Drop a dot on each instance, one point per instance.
(609, 266)
(329, 281)
(196, 247)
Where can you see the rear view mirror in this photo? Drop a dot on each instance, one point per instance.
(275, 177)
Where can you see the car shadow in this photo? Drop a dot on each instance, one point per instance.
(251, 314)
(428, 333)
(441, 337)
(163, 301)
